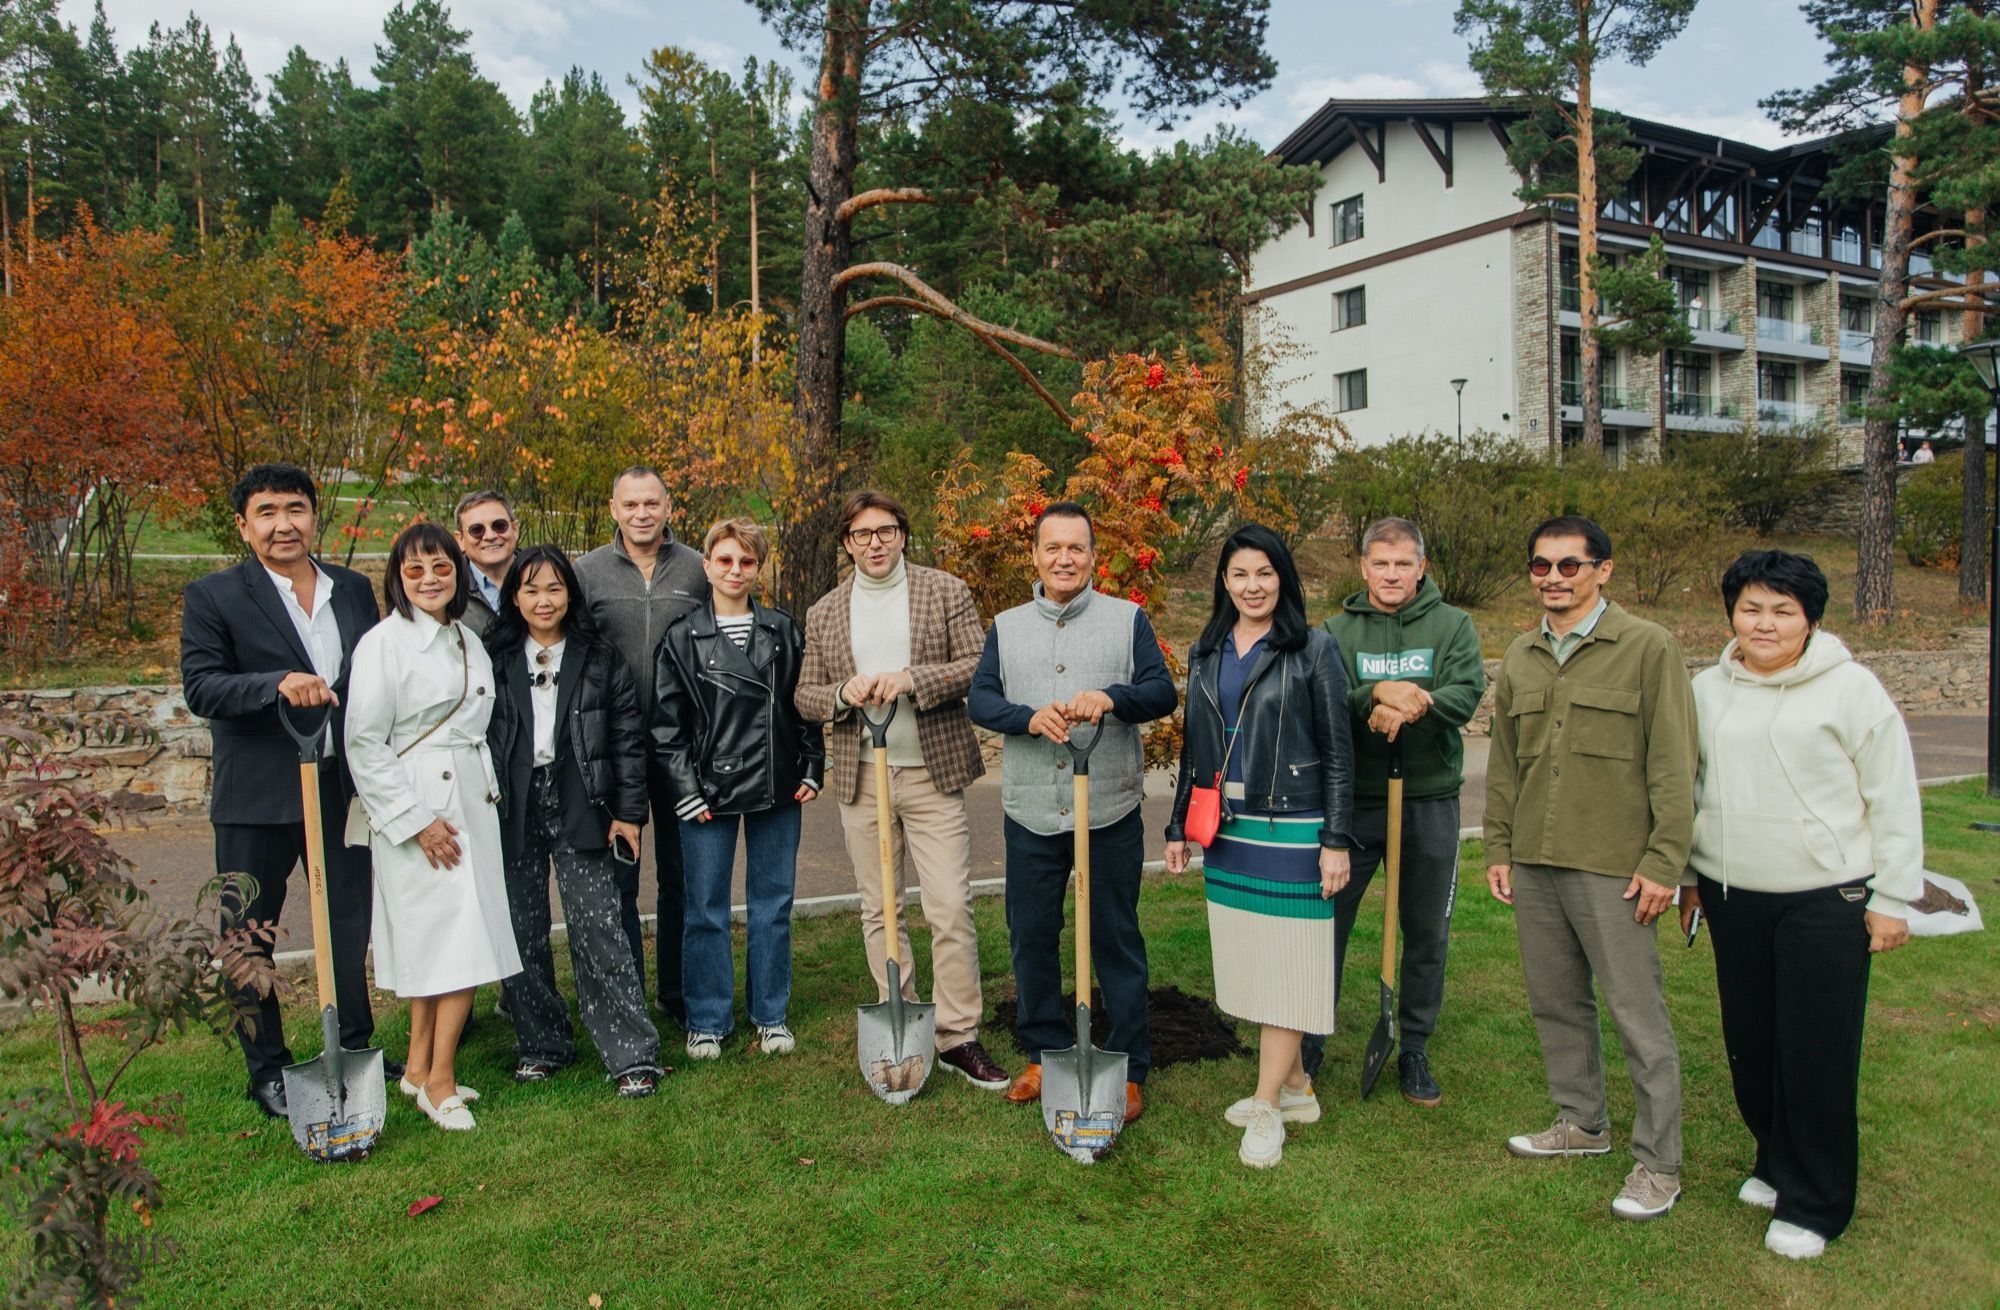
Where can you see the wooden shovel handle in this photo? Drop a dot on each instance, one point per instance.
(885, 846)
(1080, 782)
(316, 882)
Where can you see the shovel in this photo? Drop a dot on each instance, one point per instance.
(336, 1101)
(894, 1039)
(1083, 1088)
(1383, 1040)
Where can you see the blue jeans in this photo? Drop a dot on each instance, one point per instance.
(708, 852)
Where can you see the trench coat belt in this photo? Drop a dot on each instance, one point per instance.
(447, 749)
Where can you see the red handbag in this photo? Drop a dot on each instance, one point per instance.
(1204, 813)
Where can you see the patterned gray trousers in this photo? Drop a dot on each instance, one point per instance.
(607, 984)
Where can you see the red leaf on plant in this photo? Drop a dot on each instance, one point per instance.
(422, 1204)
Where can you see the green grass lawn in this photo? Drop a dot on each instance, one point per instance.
(747, 1181)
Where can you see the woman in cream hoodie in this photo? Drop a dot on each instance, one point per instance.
(1808, 840)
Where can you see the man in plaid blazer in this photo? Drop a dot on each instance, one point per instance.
(899, 632)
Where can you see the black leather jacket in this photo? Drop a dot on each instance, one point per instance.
(1293, 742)
(724, 725)
(601, 744)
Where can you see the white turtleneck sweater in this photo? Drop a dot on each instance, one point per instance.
(880, 614)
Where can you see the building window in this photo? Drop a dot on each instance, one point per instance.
(1688, 374)
(1720, 205)
(1847, 243)
(1853, 396)
(1570, 369)
(1857, 314)
(1350, 308)
(1629, 207)
(1775, 300)
(1929, 327)
(1808, 238)
(1350, 390)
(1570, 276)
(1777, 381)
(1347, 220)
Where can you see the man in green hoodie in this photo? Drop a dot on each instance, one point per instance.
(1415, 676)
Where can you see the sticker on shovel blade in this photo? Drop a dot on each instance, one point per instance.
(1081, 1132)
(891, 1077)
(350, 1140)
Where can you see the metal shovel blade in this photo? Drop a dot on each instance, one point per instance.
(1380, 1043)
(1083, 1095)
(896, 1042)
(336, 1100)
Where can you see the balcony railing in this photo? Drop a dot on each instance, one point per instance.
(1787, 413)
(1684, 404)
(1614, 397)
(1572, 298)
(1710, 320)
(1853, 412)
(1784, 329)
(1852, 342)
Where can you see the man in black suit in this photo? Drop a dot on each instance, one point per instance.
(280, 626)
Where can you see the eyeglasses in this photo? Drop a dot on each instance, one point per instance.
(886, 534)
(1568, 566)
(498, 527)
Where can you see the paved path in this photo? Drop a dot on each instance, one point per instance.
(175, 859)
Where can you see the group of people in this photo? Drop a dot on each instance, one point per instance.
(519, 714)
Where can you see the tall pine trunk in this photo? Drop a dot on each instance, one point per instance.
(1875, 541)
(811, 554)
(1590, 357)
(756, 290)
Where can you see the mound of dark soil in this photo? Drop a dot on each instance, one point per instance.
(1183, 1027)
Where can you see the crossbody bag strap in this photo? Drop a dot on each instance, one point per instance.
(464, 686)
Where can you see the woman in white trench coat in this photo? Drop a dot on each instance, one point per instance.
(418, 701)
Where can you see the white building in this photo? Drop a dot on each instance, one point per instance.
(1418, 265)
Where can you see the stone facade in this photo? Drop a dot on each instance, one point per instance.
(1950, 681)
(1536, 361)
(169, 773)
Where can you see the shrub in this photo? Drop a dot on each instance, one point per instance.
(1473, 502)
(1760, 477)
(1930, 513)
(1661, 519)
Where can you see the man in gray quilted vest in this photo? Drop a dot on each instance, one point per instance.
(1069, 656)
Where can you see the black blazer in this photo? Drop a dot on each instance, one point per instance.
(237, 645)
(600, 745)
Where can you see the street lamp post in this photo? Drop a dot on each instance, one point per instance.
(1985, 357)
(1458, 390)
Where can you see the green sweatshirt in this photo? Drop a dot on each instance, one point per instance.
(1433, 645)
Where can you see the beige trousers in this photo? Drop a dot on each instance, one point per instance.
(928, 829)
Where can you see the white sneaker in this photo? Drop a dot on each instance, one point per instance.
(776, 1039)
(1755, 1191)
(1263, 1137)
(1300, 1107)
(1792, 1241)
(704, 1046)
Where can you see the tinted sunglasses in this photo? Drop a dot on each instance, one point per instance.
(498, 527)
(1568, 566)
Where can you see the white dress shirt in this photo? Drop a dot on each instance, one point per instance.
(318, 629)
(543, 696)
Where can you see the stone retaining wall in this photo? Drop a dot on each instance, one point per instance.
(171, 774)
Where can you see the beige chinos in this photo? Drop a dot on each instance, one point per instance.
(929, 831)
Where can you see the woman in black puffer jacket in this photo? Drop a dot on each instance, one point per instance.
(571, 755)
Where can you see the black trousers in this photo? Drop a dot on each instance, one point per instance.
(268, 852)
(672, 903)
(1791, 971)
(1038, 870)
(1428, 893)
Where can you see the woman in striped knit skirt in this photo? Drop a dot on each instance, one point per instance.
(1267, 717)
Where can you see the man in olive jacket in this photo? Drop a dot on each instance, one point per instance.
(1414, 676)
(1589, 817)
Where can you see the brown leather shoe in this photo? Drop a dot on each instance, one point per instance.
(971, 1059)
(1135, 1102)
(1028, 1087)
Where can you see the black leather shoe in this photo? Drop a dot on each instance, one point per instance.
(270, 1098)
(392, 1070)
(1418, 1085)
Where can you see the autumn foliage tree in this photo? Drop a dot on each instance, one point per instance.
(92, 437)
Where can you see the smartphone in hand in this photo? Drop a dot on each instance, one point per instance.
(623, 851)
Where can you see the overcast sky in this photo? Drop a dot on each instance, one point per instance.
(1710, 79)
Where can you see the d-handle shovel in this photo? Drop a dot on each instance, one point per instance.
(894, 1039)
(336, 1101)
(1083, 1088)
(1383, 1040)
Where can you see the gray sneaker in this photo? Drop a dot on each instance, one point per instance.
(1560, 1138)
(1646, 1195)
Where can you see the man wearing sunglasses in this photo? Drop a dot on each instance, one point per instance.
(1589, 817)
(488, 534)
